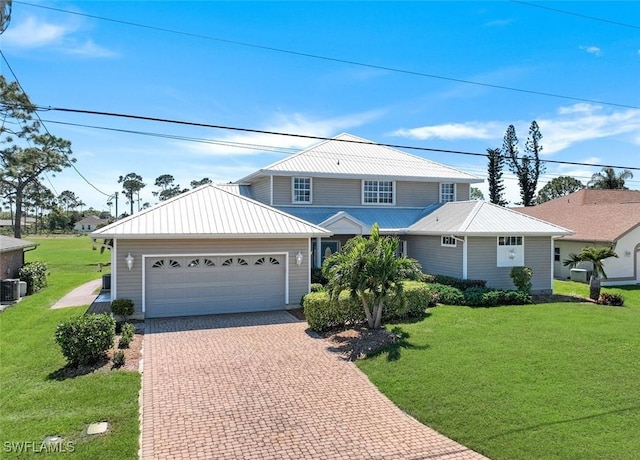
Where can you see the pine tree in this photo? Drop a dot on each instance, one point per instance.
(496, 182)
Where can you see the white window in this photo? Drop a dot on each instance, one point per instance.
(377, 192)
(510, 251)
(301, 189)
(449, 241)
(447, 193)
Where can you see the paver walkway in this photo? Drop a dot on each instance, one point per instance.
(257, 386)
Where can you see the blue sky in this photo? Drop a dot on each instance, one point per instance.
(80, 62)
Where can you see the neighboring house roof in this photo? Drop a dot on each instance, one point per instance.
(207, 212)
(91, 220)
(479, 218)
(353, 157)
(389, 219)
(238, 189)
(594, 215)
(9, 222)
(8, 244)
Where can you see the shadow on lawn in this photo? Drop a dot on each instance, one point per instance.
(561, 422)
(69, 372)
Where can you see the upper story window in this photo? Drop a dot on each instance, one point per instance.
(447, 192)
(377, 192)
(301, 190)
(448, 241)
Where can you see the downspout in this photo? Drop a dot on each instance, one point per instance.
(464, 255)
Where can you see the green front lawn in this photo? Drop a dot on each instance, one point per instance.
(32, 403)
(546, 381)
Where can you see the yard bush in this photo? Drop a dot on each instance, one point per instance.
(122, 307)
(446, 294)
(317, 287)
(85, 339)
(615, 300)
(323, 314)
(118, 358)
(521, 277)
(35, 275)
(126, 336)
(452, 281)
(317, 277)
(486, 297)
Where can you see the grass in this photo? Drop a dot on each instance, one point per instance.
(32, 403)
(545, 381)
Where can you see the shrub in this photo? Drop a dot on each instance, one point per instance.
(118, 358)
(317, 277)
(122, 307)
(415, 299)
(446, 294)
(126, 335)
(615, 300)
(85, 339)
(521, 277)
(485, 297)
(35, 275)
(452, 281)
(317, 287)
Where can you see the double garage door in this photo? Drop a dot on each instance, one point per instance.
(209, 284)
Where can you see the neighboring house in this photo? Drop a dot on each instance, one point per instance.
(12, 255)
(8, 223)
(251, 245)
(598, 218)
(89, 224)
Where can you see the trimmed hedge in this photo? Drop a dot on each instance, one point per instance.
(323, 314)
(85, 339)
(457, 283)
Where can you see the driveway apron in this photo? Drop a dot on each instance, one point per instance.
(258, 386)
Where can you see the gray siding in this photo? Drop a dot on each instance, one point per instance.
(417, 194)
(482, 263)
(463, 192)
(261, 190)
(337, 192)
(129, 283)
(433, 257)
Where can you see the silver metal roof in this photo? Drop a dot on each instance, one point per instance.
(350, 156)
(479, 218)
(210, 211)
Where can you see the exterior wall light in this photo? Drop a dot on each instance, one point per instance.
(299, 258)
(129, 260)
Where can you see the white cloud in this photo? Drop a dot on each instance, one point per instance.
(34, 33)
(454, 131)
(90, 49)
(596, 51)
(498, 23)
(247, 143)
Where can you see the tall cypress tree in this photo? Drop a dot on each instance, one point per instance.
(528, 167)
(496, 182)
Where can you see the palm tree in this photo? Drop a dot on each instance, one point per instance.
(608, 179)
(596, 256)
(371, 270)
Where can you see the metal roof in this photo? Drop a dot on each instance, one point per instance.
(8, 244)
(389, 219)
(350, 156)
(210, 211)
(479, 218)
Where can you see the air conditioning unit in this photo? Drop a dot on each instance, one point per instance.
(580, 274)
(10, 290)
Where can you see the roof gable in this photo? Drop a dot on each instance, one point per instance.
(479, 218)
(8, 244)
(210, 212)
(350, 156)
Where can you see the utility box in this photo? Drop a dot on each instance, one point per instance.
(580, 274)
(10, 290)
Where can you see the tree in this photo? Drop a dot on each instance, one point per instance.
(528, 167)
(371, 270)
(198, 183)
(496, 182)
(557, 187)
(68, 200)
(131, 184)
(39, 198)
(26, 153)
(596, 257)
(608, 179)
(476, 194)
(167, 187)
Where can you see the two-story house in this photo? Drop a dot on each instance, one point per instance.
(251, 245)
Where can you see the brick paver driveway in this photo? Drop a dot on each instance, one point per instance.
(257, 386)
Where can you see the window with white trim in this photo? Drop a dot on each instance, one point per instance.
(301, 189)
(510, 251)
(447, 193)
(449, 241)
(377, 192)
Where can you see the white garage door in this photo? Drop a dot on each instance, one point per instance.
(204, 284)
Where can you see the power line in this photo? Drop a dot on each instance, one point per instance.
(334, 59)
(306, 136)
(15, 77)
(571, 13)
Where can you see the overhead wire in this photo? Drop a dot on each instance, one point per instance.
(573, 13)
(335, 59)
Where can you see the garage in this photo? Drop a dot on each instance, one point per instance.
(210, 284)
